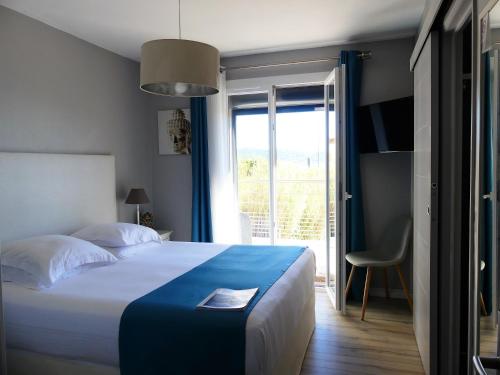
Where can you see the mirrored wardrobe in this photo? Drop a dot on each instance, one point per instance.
(487, 180)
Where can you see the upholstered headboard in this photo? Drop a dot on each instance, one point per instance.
(54, 193)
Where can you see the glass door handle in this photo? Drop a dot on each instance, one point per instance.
(488, 196)
(347, 196)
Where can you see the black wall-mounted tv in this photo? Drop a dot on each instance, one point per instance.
(386, 126)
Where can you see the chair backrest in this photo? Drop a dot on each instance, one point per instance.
(396, 239)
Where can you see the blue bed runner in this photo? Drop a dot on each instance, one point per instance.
(163, 332)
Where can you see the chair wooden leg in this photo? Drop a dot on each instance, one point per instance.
(386, 282)
(405, 288)
(483, 306)
(349, 281)
(365, 294)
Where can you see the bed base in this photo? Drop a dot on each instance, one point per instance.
(21, 362)
(291, 363)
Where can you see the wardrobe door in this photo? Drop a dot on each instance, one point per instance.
(424, 200)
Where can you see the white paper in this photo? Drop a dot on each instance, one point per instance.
(228, 299)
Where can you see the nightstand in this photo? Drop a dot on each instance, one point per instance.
(165, 234)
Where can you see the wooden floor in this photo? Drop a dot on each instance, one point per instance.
(488, 338)
(383, 344)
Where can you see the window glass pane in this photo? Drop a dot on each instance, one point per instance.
(252, 152)
(332, 142)
(300, 173)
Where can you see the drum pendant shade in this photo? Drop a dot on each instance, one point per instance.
(179, 67)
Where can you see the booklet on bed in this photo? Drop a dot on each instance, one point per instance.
(228, 299)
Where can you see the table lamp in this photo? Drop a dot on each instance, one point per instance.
(137, 197)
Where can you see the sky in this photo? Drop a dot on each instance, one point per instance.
(295, 131)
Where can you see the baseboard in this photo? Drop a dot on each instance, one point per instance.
(374, 292)
(380, 292)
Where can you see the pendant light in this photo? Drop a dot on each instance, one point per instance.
(178, 67)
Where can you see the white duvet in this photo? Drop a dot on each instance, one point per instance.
(79, 317)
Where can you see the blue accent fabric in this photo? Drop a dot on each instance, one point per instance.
(163, 332)
(201, 214)
(486, 250)
(355, 219)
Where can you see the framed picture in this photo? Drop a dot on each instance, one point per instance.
(174, 132)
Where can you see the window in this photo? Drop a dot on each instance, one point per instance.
(282, 171)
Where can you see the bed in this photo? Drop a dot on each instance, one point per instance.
(73, 327)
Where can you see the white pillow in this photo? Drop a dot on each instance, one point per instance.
(125, 252)
(117, 234)
(46, 259)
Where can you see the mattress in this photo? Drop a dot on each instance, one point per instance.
(79, 317)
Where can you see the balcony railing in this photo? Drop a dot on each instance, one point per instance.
(300, 208)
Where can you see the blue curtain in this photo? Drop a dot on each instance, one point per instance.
(201, 214)
(486, 250)
(355, 219)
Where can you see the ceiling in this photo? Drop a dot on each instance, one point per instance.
(495, 16)
(235, 27)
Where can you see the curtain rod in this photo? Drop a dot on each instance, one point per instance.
(363, 55)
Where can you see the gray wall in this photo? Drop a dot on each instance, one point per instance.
(481, 4)
(386, 178)
(387, 194)
(385, 76)
(60, 94)
(172, 178)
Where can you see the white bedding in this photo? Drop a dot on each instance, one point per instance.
(79, 318)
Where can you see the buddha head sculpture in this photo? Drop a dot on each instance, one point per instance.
(179, 131)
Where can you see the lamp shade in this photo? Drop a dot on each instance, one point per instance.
(178, 67)
(137, 196)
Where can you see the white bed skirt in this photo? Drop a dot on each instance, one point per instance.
(21, 362)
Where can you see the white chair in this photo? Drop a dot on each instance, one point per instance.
(481, 299)
(246, 229)
(391, 252)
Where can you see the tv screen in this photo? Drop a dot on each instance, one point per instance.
(386, 126)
